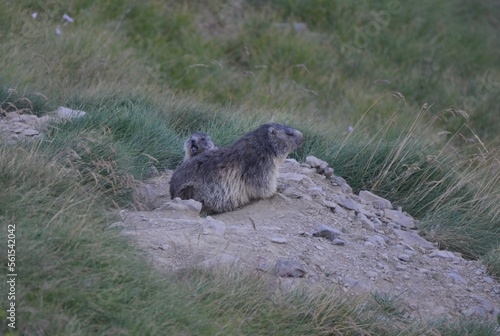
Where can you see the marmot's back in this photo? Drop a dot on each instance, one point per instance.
(229, 177)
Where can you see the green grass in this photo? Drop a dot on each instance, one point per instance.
(149, 74)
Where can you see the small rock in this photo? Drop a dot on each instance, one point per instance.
(294, 177)
(67, 113)
(400, 267)
(337, 180)
(326, 232)
(377, 201)
(28, 118)
(348, 203)
(365, 222)
(475, 311)
(338, 241)
(353, 284)
(289, 268)
(279, 240)
(413, 238)
(182, 205)
(488, 280)
(213, 226)
(30, 132)
(457, 278)
(328, 172)
(404, 257)
(376, 240)
(313, 161)
(399, 218)
(442, 254)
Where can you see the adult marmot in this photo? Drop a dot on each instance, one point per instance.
(229, 177)
(197, 143)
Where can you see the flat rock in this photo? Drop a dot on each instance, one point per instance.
(412, 238)
(326, 232)
(442, 254)
(279, 240)
(289, 268)
(67, 113)
(347, 203)
(213, 226)
(377, 201)
(457, 278)
(399, 218)
(182, 205)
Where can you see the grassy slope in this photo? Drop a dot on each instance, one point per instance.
(130, 65)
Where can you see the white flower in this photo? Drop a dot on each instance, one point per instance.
(350, 129)
(34, 15)
(58, 31)
(68, 18)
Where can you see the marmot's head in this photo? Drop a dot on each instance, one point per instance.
(283, 139)
(197, 143)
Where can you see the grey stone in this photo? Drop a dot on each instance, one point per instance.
(313, 161)
(457, 278)
(28, 118)
(338, 241)
(404, 257)
(337, 180)
(64, 113)
(213, 226)
(289, 268)
(376, 240)
(442, 254)
(400, 267)
(30, 132)
(328, 172)
(347, 203)
(326, 232)
(413, 238)
(475, 311)
(353, 284)
(279, 240)
(488, 307)
(365, 222)
(294, 177)
(377, 201)
(488, 280)
(399, 218)
(182, 205)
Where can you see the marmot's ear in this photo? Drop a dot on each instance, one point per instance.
(272, 130)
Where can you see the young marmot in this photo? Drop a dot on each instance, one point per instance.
(197, 143)
(226, 178)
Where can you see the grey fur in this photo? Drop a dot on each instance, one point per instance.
(229, 177)
(197, 143)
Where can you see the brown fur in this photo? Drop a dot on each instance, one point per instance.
(229, 177)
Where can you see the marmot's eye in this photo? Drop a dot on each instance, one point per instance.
(289, 133)
(202, 139)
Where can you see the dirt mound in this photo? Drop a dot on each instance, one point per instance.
(315, 231)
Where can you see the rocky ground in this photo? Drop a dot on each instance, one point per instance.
(315, 231)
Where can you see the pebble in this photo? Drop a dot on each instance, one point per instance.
(326, 232)
(279, 240)
(289, 268)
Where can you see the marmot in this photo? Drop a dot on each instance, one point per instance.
(197, 143)
(229, 177)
